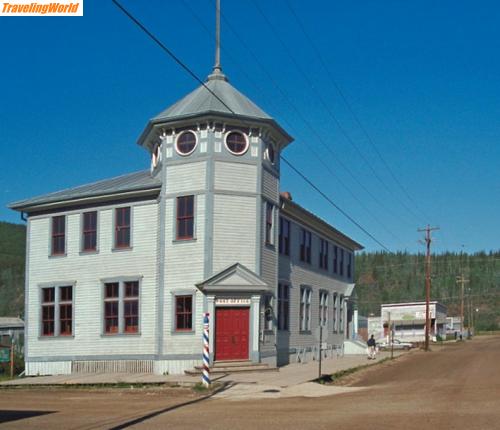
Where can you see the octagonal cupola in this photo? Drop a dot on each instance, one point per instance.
(218, 108)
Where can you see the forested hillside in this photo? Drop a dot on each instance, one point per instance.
(400, 277)
(12, 246)
(380, 278)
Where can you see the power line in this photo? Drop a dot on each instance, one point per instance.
(350, 108)
(194, 76)
(332, 115)
(289, 125)
(333, 203)
(287, 99)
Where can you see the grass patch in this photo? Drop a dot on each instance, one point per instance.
(200, 388)
(5, 377)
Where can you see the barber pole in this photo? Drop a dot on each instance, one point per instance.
(205, 378)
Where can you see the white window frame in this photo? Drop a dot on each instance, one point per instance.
(305, 308)
(323, 308)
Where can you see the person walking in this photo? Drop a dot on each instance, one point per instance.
(372, 352)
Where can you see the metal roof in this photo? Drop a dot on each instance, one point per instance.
(11, 322)
(136, 181)
(305, 216)
(201, 101)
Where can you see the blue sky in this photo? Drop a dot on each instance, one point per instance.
(421, 76)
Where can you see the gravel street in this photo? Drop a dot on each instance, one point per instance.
(456, 386)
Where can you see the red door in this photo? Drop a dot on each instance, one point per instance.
(231, 333)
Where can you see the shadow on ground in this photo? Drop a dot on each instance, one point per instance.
(6, 416)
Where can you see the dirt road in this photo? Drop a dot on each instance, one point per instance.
(453, 387)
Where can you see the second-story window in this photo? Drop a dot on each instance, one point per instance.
(122, 227)
(335, 259)
(58, 246)
(89, 231)
(269, 223)
(305, 245)
(341, 263)
(284, 239)
(349, 265)
(323, 254)
(185, 218)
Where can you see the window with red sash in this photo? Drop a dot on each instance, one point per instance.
(111, 305)
(48, 311)
(58, 246)
(89, 231)
(66, 311)
(185, 217)
(122, 227)
(121, 307)
(57, 311)
(131, 307)
(184, 313)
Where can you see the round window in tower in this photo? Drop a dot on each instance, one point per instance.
(186, 143)
(236, 142)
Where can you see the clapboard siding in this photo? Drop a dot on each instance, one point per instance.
(87, 270)
(235, 226)
(186, 178)
(235, 177)
(297, 273)
(184, 268)
(270, 186)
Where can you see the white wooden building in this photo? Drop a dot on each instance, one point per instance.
(120, 272)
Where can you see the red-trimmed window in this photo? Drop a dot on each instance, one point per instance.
(323, 254)
(283, 307)
(89, 231)
(183, 313)
(284, 239)
(122, 227)
(185, 217)
(269, 223)
(111, 307)
(48, 311)
(131, 307)
(58, 235)
(66, 311)
(305, 246)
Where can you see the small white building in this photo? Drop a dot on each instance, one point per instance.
(409, 320)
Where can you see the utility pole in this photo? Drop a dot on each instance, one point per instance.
(462, 281)
(428, 241)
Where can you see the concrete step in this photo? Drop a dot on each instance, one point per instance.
(233, 367)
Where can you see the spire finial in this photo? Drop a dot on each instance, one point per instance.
(217, 66)
(217, 70)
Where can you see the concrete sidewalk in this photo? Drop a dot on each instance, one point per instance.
(291, 380)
